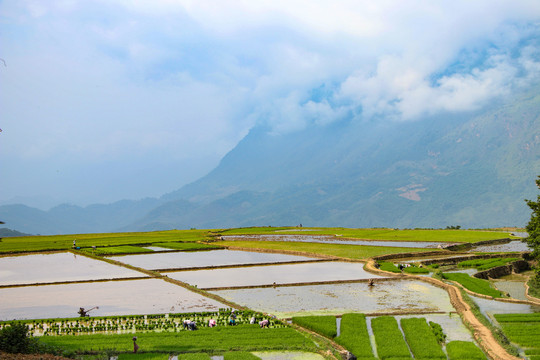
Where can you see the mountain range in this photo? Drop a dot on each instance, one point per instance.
(470, 169)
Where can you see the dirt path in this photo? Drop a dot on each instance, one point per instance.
(481, 333)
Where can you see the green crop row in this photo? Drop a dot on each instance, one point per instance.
(113, 250)
(145, 357)
(186, 246)
(422, 342)
(65, 242)
(128, 324)
(324, 325)
(533, 317)
(389, 339)
(522, 329)
(354, 336)
(340, 250)
(479, 286)
(220, 339)
(425, 341)
(484, 264)
(388, 266)
(464, 350)
(415, 270)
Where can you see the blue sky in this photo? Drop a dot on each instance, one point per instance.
(117, 99)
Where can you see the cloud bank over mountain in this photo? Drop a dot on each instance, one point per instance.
(106, 100)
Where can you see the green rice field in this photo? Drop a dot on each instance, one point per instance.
(523, 330)
(473, 284)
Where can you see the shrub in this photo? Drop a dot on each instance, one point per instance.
(14, 339)
(438, 332)
(324, 325)
(464, 350)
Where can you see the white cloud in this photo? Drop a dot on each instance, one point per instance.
(94, 80)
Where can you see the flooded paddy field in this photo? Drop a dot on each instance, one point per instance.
(513, 284)
(124, 297)
(391, 296)
(208, 258)
(269, 274)
(512, 246)
(451, 323)
(490, 307)
(58, 267)
(333, 240)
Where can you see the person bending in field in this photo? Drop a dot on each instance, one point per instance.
(232, 318)
(264, 323)
(211, 323)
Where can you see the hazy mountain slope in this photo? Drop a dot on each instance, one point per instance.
(70, 219)
(470, 169)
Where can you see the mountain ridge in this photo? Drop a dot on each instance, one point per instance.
(471, 169)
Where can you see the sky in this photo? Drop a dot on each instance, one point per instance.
(106, 100)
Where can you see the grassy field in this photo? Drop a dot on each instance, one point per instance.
(522, 329)
(379, 234)
(464, 350)
(389, 339)
(324, 325)
(421, 340)
(485, 264)
(473, 284)
(339, 250)
(209, 340)
(64, 242)
(354, 336)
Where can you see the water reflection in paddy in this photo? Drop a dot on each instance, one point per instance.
(516, 245)
(59, 267)
(452, 325)
(384, 297)
(513, 284)
(332, 240)
(280, 274)
(490, 307)
(181, 260)
(112, 297)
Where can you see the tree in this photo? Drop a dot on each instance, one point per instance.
(533, 227)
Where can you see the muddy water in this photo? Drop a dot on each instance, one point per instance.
(112, 297)
(333, 240)
(451, 323)
(280, 274)
(182, 260)
(512, 284)
(384, 297)
(517, 245)
(490, 307)
(59, 267)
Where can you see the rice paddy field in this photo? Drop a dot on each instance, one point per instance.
(147, 285)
